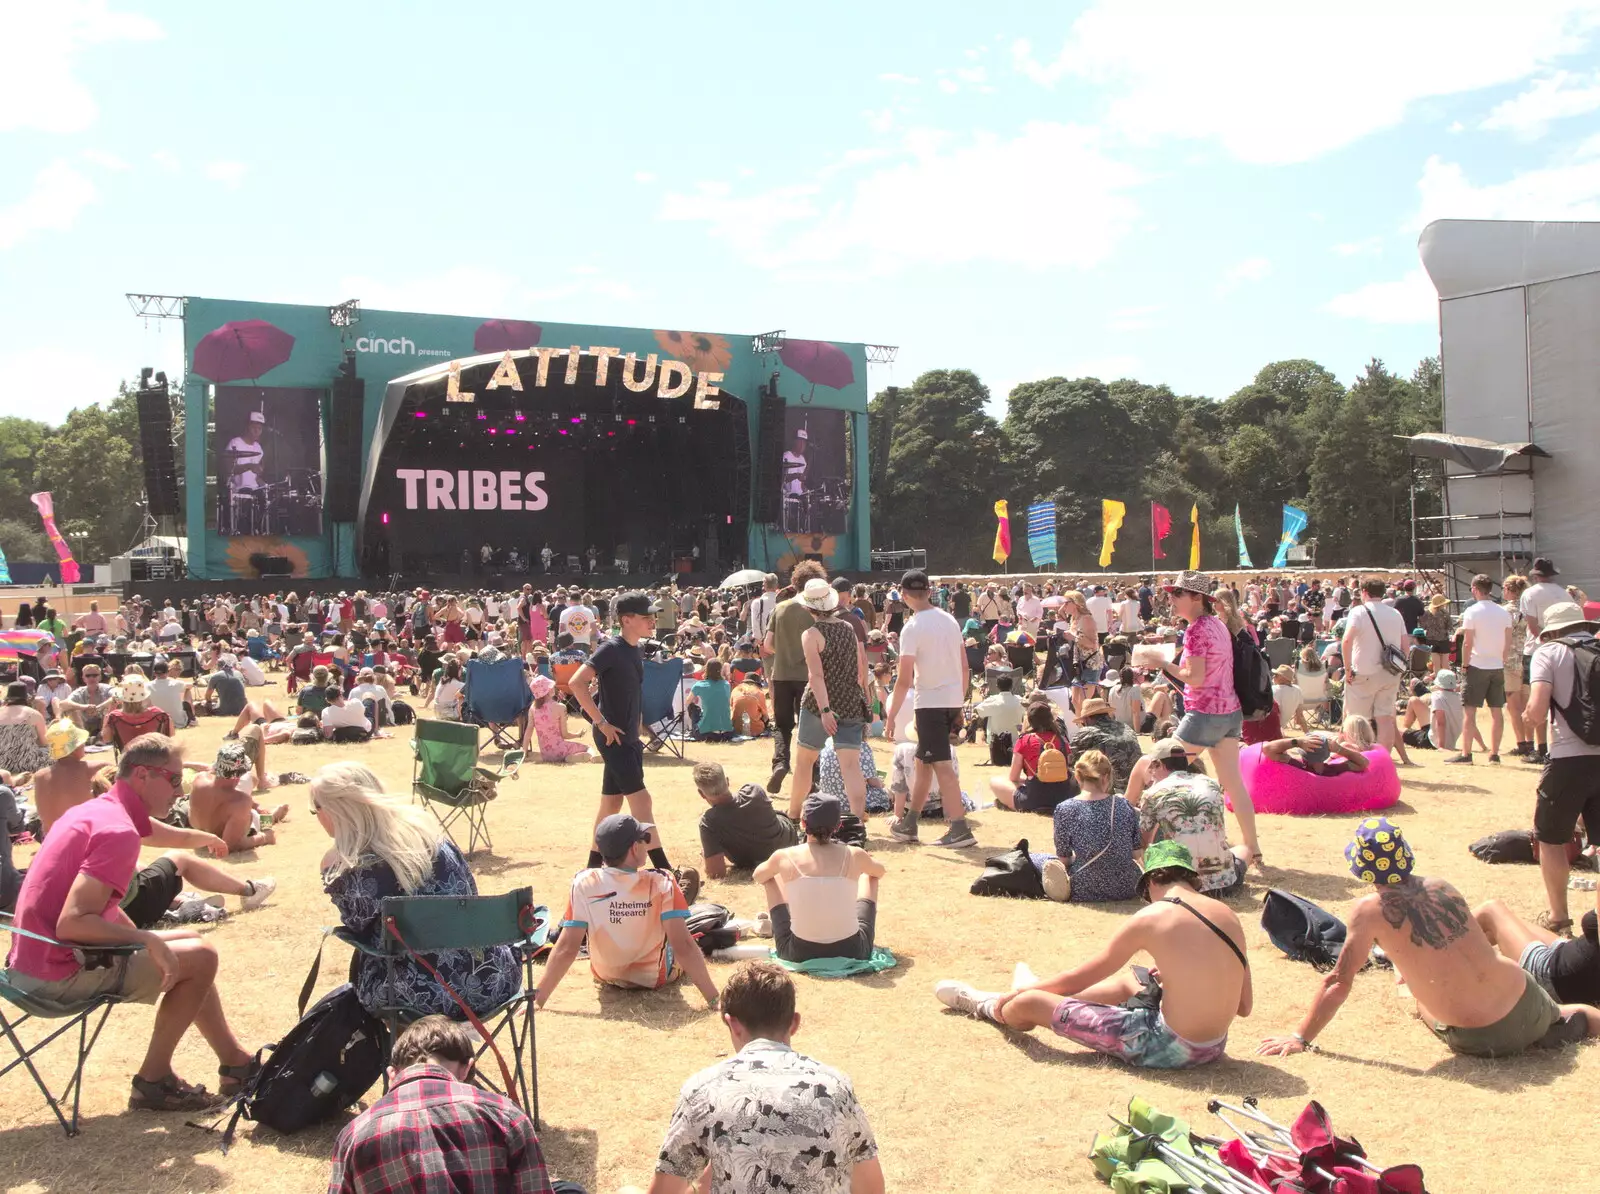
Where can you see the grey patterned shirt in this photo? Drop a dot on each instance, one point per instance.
(768, 1119)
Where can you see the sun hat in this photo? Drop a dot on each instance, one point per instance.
(1438, 601)
(1379, 853)
(542, 686)
(232, 760)
(1190, 581)
(63, 737)
(135, 689)
(1283, 674)
(1543, 567)
(1446, 680)
(1095, 707)
(819, 596)
(1161, 855)
(1563, 618)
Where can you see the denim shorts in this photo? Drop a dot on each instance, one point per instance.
(1208, 729)
(814, 737)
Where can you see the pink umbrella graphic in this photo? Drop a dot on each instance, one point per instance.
(820, 363)
(244, 348)
(503, 335)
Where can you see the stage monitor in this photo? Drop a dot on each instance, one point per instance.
(266, 453)
(815, 471)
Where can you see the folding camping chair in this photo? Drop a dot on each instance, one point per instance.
(664, 717)
(80, 1016)
(428, 924)
(120, 727)
(446, 775)
(497, 696)
(562, 673)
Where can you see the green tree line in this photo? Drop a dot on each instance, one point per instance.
(1294, 434)
(93, 466)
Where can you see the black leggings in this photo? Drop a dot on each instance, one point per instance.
(786, 696)
(795, 949)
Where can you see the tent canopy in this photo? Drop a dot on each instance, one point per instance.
(1479, 455)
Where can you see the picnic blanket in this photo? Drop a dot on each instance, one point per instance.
(881, 959)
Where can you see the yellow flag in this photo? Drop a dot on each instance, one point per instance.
(1194, 543)
(1111, 514)
(1002, 532)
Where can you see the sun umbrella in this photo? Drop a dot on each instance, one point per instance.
(25, 641)
(820, 363)
(505, 335)
(1053, 602)
(244, 348)
(745, 576)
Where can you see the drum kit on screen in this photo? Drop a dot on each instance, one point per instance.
(292, 506)
(820, 510)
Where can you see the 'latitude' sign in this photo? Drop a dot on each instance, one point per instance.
(670, 378)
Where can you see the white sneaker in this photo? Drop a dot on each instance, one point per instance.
(963, 997)
(1057, 883)
(260, 891)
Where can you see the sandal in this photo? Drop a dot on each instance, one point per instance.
(1562, 928)
(236, 1077)
(171, 1093)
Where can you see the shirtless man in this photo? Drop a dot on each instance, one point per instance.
(1172, 1016)
(1473, 999)
(69, 779)
(220, 804)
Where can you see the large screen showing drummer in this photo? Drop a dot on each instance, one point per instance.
(268, 458)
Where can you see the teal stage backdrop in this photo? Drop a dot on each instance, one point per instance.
(240, 344)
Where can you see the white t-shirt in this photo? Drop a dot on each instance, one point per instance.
(1288, 698)
(1127, 611)
(1554, 664)
(447, 698)
(1490, 624)
(761, 615)
(1535, 600)
(579, 621)
(1365, 655)
(249, 454)
(251, 671)
(1030, 609)
(1100, 606)
(1448, 702)
(933, 639)
(368, 692)
(348, 714)
(167, 695)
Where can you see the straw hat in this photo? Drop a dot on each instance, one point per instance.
(1095, 707)
(819, 596)
(1437, 602)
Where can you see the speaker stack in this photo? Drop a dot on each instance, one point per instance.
(769, 456)
(342, 500)
(154, 403)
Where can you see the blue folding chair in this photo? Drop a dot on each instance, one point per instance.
(497, 696)
(667, 722)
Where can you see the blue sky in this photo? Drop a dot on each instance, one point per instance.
(1174, 191)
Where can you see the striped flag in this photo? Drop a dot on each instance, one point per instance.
(1042, 534)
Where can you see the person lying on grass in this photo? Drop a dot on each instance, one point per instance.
(1475, 1001)
(220, 800)
(1173, 1015)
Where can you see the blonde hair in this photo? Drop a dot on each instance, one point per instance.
(1513, 585)
(369, 822)
(1359, 730)
(1093, 770)
(1228, 609)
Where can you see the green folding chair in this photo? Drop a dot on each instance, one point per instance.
(80, 1016)
(426, 924)
(451, 783)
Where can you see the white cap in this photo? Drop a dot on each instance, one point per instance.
(257, 417)
(801, 434)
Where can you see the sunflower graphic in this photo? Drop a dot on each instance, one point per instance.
(805, 546)
(701, 351)
(240, 550)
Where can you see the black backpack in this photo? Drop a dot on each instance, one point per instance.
(1302, 930)
(328, 1060)
(1252, 677)
(1580, 713)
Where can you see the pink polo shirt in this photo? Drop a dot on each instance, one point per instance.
(99, 838)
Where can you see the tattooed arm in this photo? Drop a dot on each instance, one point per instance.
(1335, 988)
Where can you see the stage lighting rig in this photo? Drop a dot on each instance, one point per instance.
(768, 342)
(882, 354)
(346, 314)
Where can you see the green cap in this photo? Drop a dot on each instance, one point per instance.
(1163, 854)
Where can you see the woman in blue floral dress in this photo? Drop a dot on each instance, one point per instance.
(384, 847)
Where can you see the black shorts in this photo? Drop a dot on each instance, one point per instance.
(934, 727)
(152, 891)
(624, 766)
(1568, 789)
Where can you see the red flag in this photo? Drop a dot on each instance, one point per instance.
(1160, 528)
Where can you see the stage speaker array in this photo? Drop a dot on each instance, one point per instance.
(154, 405)
(342, 501)
(769, 458)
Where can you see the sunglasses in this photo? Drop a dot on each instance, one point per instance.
(175, 778)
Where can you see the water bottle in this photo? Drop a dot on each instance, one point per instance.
(744, 724)
(323, 1085)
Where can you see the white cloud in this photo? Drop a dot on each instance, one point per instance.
(229, 173)
(58, 195)
(38, 87)
(1553, 97)
(167, 160)
(106, 161)
(1046, 198)
(1566, 191)
(1411, 299)
(896, 77)
(1369, 247)
(971, 74)
(1271, 81)
(1251, 269)
(96, 369)
(949, 86)
(1134, 319)
(643, 176)
(880, 121)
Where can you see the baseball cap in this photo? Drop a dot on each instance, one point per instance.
(633, 603)
(916, 580)
(257, 417)
(821, 813)
(1168, 748)
(618, 833)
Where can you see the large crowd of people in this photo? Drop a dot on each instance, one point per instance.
(1060, 680)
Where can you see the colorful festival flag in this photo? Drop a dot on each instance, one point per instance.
(47, 512)
(1194, 542)
(1002, 533)
(1111, 515)
(1294, 524)
(1160, 528)
(5, 570)
(1238, 528)
(1042, 534)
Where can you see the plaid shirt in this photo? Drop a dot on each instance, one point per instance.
(432, 1133)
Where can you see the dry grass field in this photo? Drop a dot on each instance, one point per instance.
(957, 1105)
